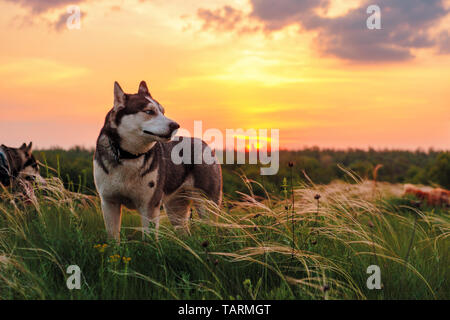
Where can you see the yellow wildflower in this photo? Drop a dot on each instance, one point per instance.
(101, 247)
(114, 258)
(126, 259)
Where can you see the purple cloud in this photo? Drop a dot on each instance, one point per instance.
(41, 6)
(406, 25)
(225, 19)
(444, 43)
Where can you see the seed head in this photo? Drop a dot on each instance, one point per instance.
(290, 164)
(317, 196)
(205, 244)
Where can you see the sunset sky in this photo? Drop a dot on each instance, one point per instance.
(310, 68)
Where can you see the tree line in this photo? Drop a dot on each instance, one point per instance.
(430, 167)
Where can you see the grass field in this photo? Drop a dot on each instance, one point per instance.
(297, 246)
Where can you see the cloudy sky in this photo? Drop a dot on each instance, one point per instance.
(310, 68)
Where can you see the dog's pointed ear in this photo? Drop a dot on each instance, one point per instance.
(143, 89)
(26, 148)
(119, 96)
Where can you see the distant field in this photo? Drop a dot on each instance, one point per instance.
(74, 167)
(275, 247)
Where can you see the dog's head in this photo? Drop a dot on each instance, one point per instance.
(140, 119)
(29, 166)
(21, 164)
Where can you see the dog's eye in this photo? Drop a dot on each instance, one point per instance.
(150, 112)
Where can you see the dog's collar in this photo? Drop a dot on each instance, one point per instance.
(121, 154)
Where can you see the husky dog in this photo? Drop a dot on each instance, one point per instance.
(18, 167)
(133, 166)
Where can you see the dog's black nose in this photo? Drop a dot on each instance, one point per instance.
(173, 126)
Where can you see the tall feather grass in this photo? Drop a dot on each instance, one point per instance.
(245, 253)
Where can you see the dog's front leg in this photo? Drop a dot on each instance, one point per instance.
(149, 214)
(112, 214)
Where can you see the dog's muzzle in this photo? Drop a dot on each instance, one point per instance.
(173, 126)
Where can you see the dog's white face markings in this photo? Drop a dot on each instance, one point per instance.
(158, 125)
(138, 131)
(30, 171)
(155, 104)
(138, 124)
(133, 139)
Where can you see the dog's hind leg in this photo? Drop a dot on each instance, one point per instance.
(207, 211)
(177, 209)
(201, 210)
(112, 214)
(150, 215)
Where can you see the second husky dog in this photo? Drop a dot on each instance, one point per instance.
(18, 169)
(18, 165)
(133, 166)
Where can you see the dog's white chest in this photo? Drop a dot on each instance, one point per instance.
(126, 183)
